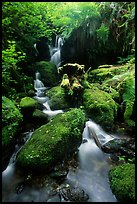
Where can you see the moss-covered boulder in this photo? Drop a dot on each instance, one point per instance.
(28, 105)
(48, 72)
(122, 182)
(100, 107)
(58, 99)
(11, 119)
(124, 85)
(51, 143)
(119, 82)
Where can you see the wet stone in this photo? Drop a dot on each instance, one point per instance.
(73, 194)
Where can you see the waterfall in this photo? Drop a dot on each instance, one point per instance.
(36, 51)
(56, 52)
(41, 98)
(92, 172)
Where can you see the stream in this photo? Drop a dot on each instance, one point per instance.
(89, 174)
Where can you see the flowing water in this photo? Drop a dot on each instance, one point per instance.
(41, 98)
(56, 52)
(91, 174)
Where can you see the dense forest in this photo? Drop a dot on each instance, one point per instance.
(65, 64)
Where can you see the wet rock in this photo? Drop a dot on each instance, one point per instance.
(19, 188)
(84, 140)
(59, 174)
(73, 194)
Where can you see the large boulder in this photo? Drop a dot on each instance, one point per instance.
(100, 107)
(122, 182)
(11, 119)
(119, 82)
(53, 142)
(48, 72)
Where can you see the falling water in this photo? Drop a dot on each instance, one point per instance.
(56, 52)
(40, 92)
(9, 175)
(92, 172)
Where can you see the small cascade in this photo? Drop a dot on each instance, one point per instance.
(8, 173)
(101, 135)
(41, 98)
(92, 173)
(56, 52)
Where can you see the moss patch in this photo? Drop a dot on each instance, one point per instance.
(48, 72)
(122, 182)
(100, 107)
(52, 142)
(58, 98)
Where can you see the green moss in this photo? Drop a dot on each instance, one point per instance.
(11, 118)
(122, 182)
(100, 107)
(52, 142)
(27, 102)
(58, 98)
(48, 72)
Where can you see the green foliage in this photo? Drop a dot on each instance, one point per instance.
(120, 18)
(102, 33)
(11, 118)
(70, 15)
(129, 59)
(10, 58)
(122, 182)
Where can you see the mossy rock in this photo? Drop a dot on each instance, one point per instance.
(53, 142)
(104, 73)
(58, 98)
(48, 72)
(122, 182)
(39, 117)
(28, 105)
(28, 102)
(11, 118)
(100, 107)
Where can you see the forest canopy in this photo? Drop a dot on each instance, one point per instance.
(25, 23)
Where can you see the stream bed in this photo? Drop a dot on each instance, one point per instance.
(90, 173)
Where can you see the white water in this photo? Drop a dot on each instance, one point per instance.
(56, 52)
(91, 175)
(9, 174)
(92, 172)
(40, 89)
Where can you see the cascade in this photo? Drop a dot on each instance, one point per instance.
(92, 172)
(40, 89)
(56, 52)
